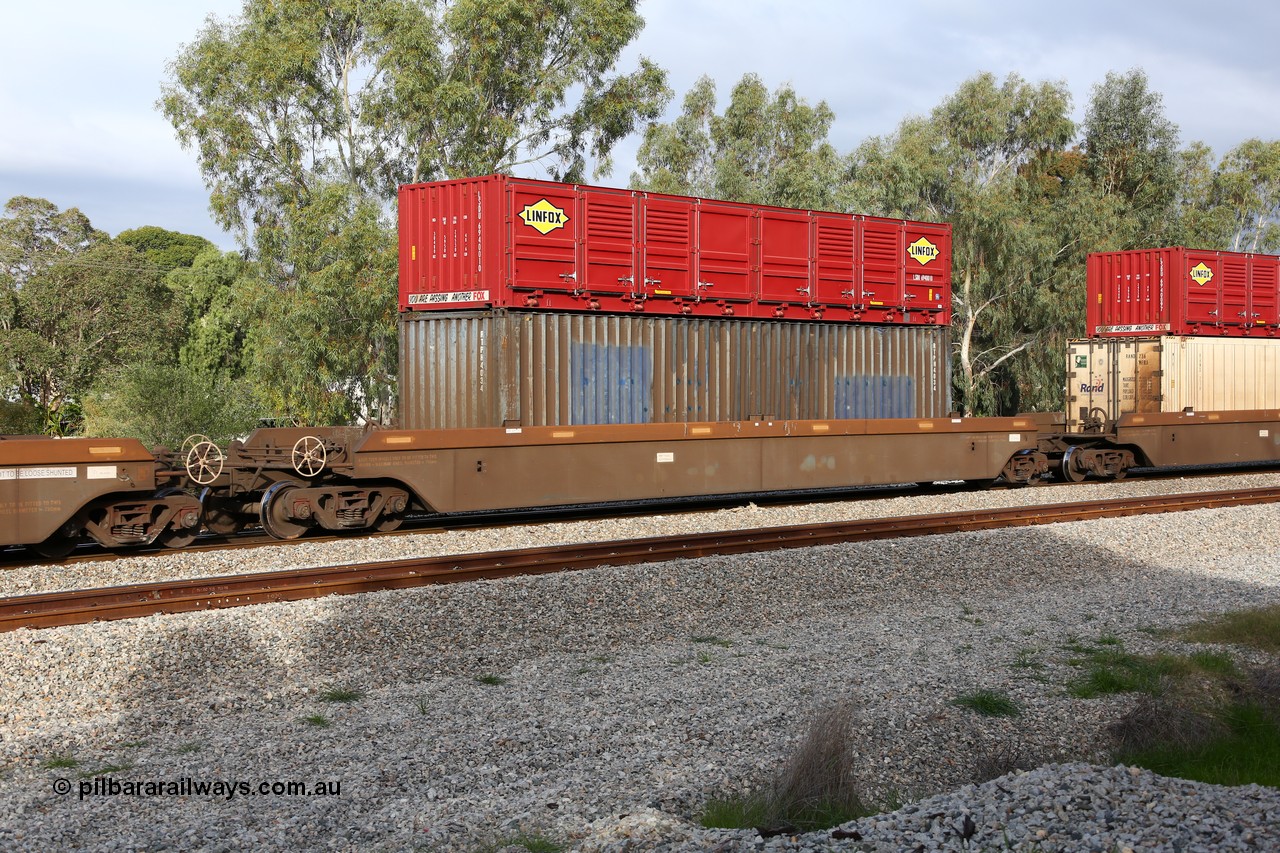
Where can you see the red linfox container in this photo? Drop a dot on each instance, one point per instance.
(501, 242)
(1179, 291)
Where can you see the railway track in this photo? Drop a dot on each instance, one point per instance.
(80, 606)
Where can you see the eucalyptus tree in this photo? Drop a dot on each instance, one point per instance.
(994, 160)
(1248, 184)
(1132, 152)
(764, 149)
(83, 315)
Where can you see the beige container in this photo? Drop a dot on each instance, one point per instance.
(1107, 378)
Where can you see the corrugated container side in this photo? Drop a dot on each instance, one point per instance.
(500, 368)
(1183, 291)
(1109, 377)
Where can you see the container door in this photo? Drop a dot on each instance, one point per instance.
(608, 229)
(1147, 395)
(724, 234)
(833, 259)
(1235, 290)
(1202, 278)
(667, 242)
(883, 253)
(784, 256)
(1264, 290)
(544, 224)
(927, 280)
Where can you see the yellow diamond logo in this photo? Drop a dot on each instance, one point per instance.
(923, 251)
(1201, 274)
(543, 216)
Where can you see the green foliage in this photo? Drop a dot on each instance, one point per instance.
(1110, 669)
(491, 680)
(1248, 191)
(1131, 151)
(1258, 628)
(59, 762)
(321, 322)
(162, 404)
(1248, 752)
(988, 703)
(82, 316)
(168, 250)
(20, 419)
(213, 291)
(373, 94)
(993, 160)
(764, 149)
(342, 694)
(320, 721)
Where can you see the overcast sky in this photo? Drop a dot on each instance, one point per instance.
(79, 80)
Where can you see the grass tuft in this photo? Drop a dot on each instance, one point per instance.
(1198, 716)
(320, 721)
(59, 762)
(715, 641)
(988, 703)
(1259, 629)
(814, 789)
(491, 680)
(342, 694)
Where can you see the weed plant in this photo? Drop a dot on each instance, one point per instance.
(1199, 716)
(814, 789)
(342, 694)
(988, 703)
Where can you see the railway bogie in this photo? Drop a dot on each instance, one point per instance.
(55, 493)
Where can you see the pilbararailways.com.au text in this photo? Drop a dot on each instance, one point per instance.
(186, 786)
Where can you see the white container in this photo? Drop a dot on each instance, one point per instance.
(1107, 378)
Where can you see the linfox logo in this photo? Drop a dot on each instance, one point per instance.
(922, 250)
(1086, 388)
(1201, 274)
(543, 216)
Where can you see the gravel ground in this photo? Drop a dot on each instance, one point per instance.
(601, 709)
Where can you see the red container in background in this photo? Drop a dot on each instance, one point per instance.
(500, 242)
(1179, 291)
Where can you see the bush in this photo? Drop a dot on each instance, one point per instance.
(814, 790)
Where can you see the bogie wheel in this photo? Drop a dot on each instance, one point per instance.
(178, 537)
(274, 513)
(204, 462)
(1071, 470)
(309, 456)
(55, 547)
(218, 519)
(388, 522)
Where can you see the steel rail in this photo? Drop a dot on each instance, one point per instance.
(78, 606)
